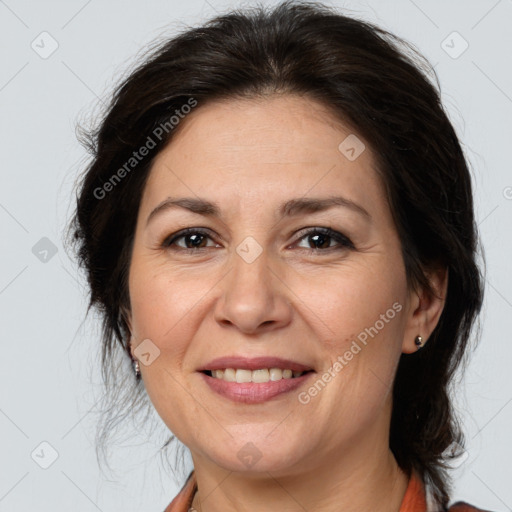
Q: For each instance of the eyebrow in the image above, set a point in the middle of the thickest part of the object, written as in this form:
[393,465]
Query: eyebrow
[290,208]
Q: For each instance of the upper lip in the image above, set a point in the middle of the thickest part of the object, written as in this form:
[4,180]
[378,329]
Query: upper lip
[254,363]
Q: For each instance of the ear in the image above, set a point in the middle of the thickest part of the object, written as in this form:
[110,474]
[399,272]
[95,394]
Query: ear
[425,309]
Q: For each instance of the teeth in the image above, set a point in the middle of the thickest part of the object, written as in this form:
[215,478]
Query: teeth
[243,376]
[258,376]
[229,375]
[276,374]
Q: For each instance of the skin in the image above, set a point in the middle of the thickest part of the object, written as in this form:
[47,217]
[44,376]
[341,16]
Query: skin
[297,300]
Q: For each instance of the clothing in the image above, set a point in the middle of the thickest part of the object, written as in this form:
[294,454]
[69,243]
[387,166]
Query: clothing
[416,498]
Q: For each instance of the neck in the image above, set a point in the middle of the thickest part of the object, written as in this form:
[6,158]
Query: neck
[363,476]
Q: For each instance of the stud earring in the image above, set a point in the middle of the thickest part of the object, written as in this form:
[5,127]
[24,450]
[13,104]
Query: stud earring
[418,341]
[136,367]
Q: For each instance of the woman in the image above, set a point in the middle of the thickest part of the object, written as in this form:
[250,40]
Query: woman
[278,229]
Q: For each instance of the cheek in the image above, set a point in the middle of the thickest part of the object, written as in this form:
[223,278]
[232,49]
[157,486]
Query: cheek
[350,301]
[163,310]
[160,300]
[360,317]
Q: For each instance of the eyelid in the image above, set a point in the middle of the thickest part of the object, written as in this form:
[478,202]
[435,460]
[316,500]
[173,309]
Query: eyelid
[343,242]
[166,242]
[332,233]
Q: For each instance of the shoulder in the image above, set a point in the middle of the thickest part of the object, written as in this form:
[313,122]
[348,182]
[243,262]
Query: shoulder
[462,506]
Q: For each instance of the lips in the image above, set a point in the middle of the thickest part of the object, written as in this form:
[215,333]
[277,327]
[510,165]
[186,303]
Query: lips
[254,392]
[254,363]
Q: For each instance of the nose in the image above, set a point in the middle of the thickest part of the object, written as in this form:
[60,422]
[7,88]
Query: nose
[253,297]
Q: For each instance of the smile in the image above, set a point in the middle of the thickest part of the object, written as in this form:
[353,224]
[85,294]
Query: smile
[258,376]
[250,392]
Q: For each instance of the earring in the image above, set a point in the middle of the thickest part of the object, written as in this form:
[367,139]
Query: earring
[135,362]
[418,341]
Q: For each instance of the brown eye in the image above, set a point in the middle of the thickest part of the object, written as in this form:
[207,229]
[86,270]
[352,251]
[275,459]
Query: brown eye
[319,241]
[193,241]
[323,239]
[189,239]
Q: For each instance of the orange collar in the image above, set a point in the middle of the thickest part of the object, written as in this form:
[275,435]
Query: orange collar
[414,498]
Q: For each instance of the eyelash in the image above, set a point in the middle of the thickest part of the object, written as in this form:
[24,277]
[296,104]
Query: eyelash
[343,241]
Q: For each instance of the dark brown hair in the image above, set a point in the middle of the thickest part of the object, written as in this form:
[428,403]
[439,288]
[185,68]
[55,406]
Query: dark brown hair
[371,80]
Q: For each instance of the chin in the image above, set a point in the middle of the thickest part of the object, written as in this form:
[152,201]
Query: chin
[255,455]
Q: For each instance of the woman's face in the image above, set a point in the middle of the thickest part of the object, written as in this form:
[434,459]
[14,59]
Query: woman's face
[260,276]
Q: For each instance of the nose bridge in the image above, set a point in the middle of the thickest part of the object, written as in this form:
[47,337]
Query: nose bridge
[251,294]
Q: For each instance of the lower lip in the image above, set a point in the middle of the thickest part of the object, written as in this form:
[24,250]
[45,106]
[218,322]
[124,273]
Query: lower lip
[254,392]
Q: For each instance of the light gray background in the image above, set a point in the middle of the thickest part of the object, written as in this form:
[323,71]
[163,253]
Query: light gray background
[49,377]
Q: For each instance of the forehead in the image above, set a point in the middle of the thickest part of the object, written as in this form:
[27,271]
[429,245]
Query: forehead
[282,144]
[286,127]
